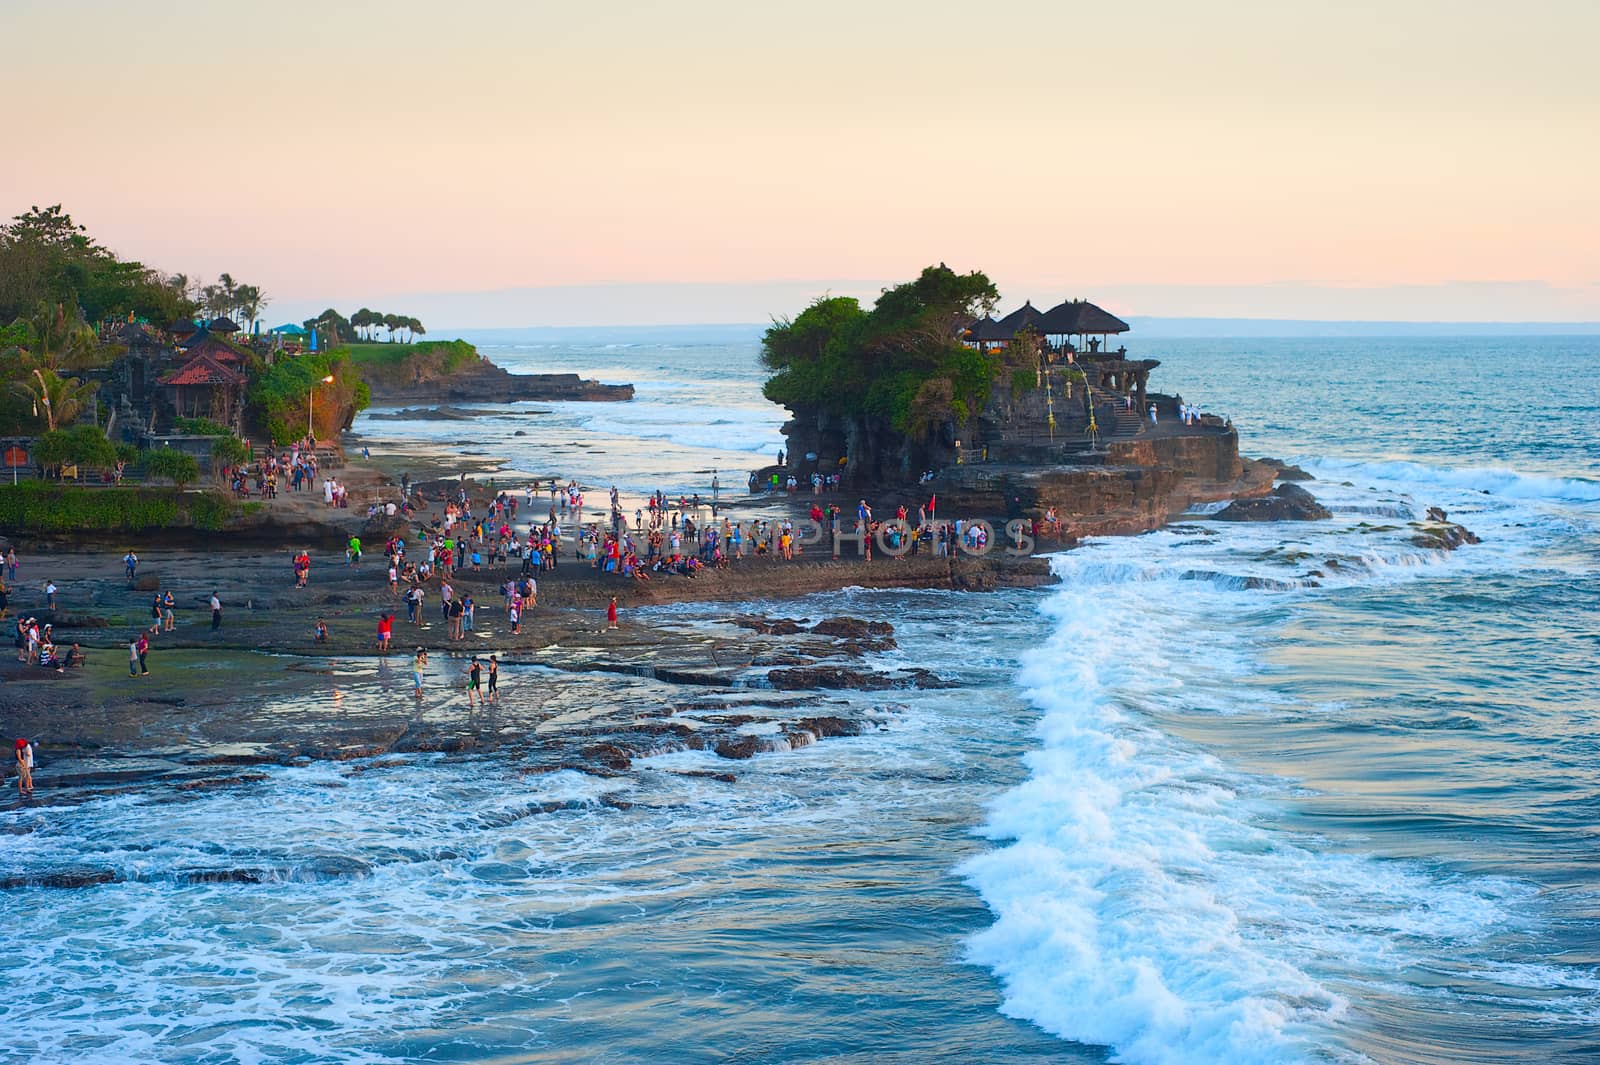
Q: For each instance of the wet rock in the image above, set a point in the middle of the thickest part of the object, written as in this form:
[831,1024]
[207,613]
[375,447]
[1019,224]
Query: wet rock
[739,747]
[824,727]
[240,759]
[1442,536]
[224,876]
[768,626]
[857,648]
[781,658]
[1288,502]
[852,628]
[608,755]
[333,866]
[70,878]
[147,582]
[843,677]
[427,742]
[1286,471]
[220,782]
[382,763]
[345,754]
[705,774]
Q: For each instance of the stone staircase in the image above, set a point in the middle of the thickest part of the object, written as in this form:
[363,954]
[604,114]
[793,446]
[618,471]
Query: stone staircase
[1122,422]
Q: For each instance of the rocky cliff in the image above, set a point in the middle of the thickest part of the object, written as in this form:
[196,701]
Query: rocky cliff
[485,382]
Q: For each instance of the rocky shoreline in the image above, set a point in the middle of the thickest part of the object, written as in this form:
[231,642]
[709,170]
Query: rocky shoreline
[488,382]
[732,682]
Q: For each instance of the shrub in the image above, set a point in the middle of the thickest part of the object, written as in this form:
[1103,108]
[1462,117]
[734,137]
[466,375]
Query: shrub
[179,467]
[229,451]
[200,427]
[83,445]
[37,506]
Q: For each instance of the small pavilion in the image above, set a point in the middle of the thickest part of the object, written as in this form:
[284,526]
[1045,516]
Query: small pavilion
[203,387]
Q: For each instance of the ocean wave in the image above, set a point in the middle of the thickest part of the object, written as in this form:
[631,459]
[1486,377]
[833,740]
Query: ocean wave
[1488,480]
[1140,900]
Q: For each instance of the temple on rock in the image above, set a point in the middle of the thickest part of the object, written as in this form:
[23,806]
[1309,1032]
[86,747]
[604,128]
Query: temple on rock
[1083,390]
[1070,421]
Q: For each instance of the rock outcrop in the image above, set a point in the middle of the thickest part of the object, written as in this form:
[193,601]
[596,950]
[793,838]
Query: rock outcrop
[1439,533]
[488,383]
[1287,502]
[1286,471]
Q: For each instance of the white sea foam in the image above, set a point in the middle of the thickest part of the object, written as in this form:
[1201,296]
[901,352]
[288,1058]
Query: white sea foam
[1494,481]
[1142,899]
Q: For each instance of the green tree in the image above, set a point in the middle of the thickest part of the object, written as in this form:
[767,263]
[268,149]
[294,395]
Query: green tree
[59,399]
[83,445]
[47,259]
[179,467]
[332,328]
[415,327]
[229,451]
[878,364]
[250,302]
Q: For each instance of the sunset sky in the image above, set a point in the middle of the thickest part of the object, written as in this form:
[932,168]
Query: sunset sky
[1247,158]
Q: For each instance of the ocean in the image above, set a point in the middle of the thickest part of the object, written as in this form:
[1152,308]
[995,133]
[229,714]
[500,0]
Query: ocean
[1262,793]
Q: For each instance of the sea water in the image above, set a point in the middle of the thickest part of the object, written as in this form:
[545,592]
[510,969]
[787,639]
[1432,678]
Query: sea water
[1227,793]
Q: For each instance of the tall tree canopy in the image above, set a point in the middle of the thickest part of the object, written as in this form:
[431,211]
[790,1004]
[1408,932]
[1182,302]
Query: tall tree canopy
[47,259]
[903,361]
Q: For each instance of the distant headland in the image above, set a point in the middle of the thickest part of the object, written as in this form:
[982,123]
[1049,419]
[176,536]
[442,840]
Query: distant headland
[109,366]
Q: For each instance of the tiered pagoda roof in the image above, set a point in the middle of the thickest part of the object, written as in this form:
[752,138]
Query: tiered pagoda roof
[1076,317]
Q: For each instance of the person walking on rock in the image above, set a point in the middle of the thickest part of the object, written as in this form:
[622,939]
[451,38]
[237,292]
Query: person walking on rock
[418,664]
[611,614]
[24,756]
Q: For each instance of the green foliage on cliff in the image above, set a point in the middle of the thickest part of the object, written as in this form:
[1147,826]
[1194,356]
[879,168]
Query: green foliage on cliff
[402,365]
[902,361]
[280,393]
[37,506]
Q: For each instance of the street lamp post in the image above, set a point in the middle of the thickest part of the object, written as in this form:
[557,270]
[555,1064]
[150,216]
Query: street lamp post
[311,405]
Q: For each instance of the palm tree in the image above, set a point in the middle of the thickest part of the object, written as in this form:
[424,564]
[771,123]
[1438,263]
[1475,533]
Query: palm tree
[64,342]
[362,321]
[61,398]
[416,328]
[229,290]
[250,299]
[391,322]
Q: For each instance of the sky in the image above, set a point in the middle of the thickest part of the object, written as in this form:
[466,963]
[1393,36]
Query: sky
[516,162]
